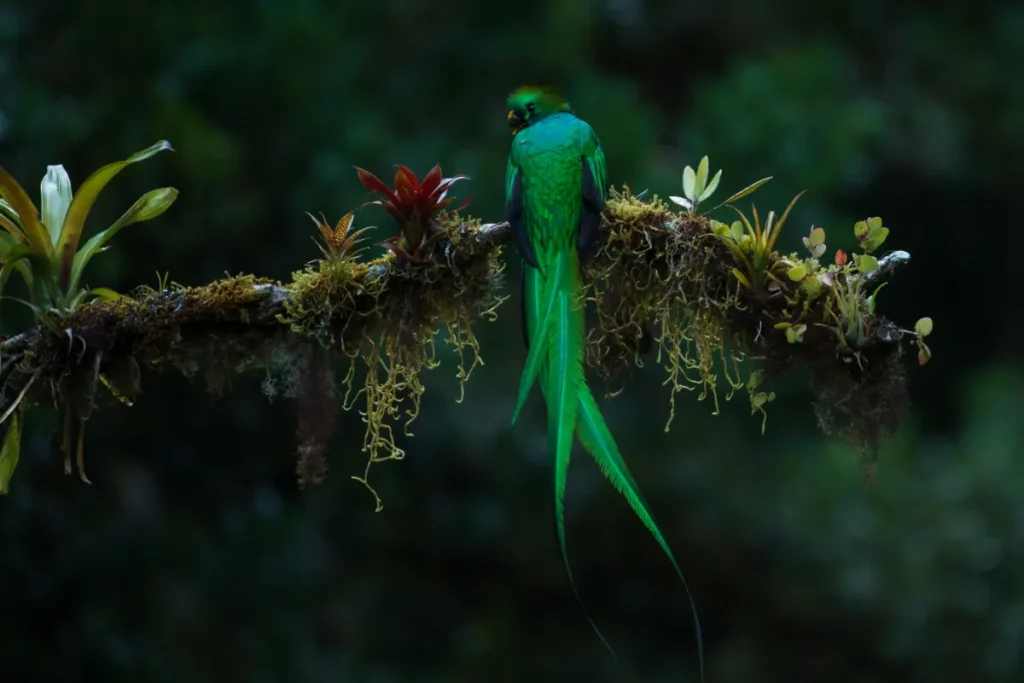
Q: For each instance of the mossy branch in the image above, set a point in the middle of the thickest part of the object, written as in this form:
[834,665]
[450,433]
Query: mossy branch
[660,277]
[146,316]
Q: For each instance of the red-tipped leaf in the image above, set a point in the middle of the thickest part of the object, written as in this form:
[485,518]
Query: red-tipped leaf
[431,181]
[375,184]
[406,183]
[446,184]
[387,206]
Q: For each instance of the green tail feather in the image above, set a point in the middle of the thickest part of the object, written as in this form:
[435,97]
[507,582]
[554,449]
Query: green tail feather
[541,332]
[562,376]
[598,441]
[561,381]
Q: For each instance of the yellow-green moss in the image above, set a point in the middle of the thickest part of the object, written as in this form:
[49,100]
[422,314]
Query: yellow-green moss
[668,278]
[386,312]
[655,278]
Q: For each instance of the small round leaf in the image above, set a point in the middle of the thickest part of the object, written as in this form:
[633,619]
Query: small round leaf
[797,273]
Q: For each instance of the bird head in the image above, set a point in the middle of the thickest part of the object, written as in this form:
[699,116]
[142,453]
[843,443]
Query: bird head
[529,104]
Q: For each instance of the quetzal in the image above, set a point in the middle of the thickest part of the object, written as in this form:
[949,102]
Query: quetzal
[555,187]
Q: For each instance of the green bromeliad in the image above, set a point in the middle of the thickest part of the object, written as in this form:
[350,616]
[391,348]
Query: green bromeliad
[555,187]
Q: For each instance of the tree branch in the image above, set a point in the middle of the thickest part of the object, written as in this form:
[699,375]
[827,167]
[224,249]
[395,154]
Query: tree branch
[253,303]
[657,271]
[887,265]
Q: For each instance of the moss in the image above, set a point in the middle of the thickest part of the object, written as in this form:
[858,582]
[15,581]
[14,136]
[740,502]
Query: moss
[659,277]
[668,279]
[382,314]
[386,313]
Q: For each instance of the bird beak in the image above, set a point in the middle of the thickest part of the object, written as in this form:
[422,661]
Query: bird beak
[515,122]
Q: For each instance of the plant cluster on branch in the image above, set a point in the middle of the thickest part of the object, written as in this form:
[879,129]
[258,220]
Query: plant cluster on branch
[717,300]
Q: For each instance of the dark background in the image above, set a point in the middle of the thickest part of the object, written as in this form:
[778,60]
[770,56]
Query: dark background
[193,557]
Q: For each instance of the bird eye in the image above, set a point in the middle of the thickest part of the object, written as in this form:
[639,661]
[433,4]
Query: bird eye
[531,107]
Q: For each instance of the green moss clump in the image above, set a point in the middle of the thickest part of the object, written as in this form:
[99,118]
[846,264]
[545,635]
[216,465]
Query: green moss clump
[385,314]
[659,278]
[715,298]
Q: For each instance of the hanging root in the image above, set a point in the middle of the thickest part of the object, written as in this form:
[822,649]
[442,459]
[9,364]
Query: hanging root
[677,279]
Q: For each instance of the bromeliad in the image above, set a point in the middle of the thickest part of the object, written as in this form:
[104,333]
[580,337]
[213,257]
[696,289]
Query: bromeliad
[555,188]
[414,204]
[43,244]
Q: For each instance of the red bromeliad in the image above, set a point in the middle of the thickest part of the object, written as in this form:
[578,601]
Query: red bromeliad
[414,204]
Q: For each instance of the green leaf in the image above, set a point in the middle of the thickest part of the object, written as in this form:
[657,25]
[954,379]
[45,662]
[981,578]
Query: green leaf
[874,223]
[737,231]
[875,238]
[860,229]
[924,327]
[106,294]
[797,273]
[763,234]
[741,277]
[816,237]
[28,215]
[689,182]
[149,205]
[873,299]
[759,399]
[812,286]
[774,235]
[701,181]
[10,222]
[71,303]
[865,263]
[6,208]
[8,268]
[719,228]
[749,189]
[10,451]
[46,317]
[74,222]
[12,229]
[795,334]
[34,267]
[746,223]
[711,187]
[7,241]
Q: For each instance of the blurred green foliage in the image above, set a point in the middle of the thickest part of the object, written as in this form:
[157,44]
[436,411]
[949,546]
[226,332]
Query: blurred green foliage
[193,557]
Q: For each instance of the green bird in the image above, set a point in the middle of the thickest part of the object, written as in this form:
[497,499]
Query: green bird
[555,188]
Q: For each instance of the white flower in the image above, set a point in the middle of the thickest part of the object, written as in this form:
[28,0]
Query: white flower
[55,197]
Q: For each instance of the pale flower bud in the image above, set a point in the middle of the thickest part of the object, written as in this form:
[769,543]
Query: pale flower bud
[55,197]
